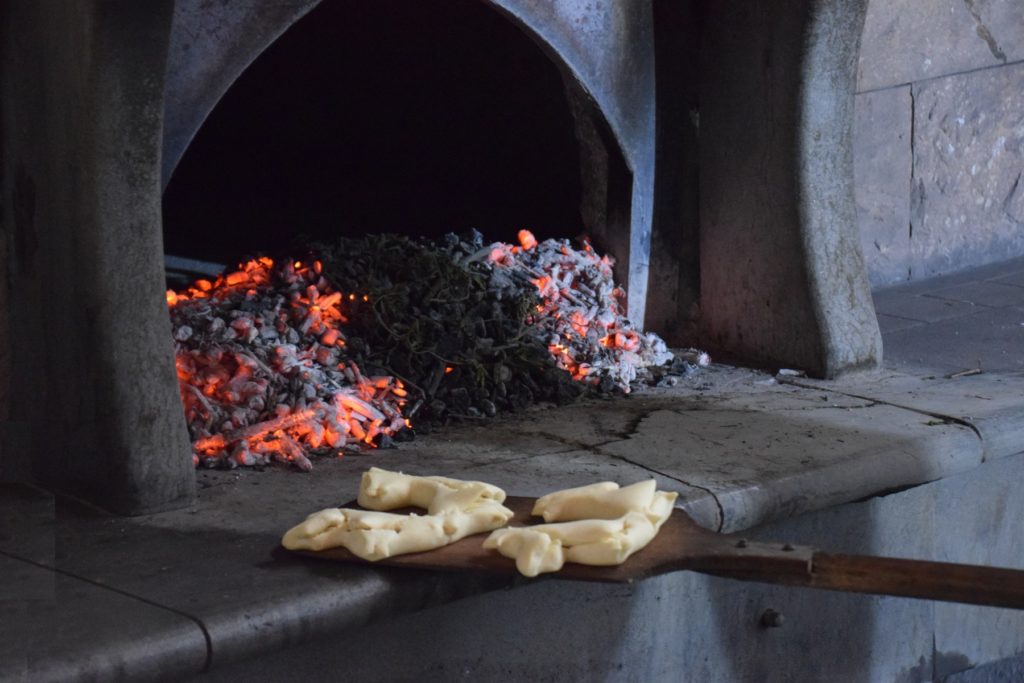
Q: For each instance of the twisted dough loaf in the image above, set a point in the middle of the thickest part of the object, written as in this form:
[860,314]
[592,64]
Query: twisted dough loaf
[600,524]
[455,509]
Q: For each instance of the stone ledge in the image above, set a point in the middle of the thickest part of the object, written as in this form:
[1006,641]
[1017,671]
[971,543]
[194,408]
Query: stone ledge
[204,588]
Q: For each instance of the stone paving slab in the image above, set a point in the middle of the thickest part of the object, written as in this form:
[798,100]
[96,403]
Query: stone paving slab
[1015,279]
[741,448]
[1007,272]
[922,308]
[785,453]
[213,563]
[991,339]
[992,404]
[986,293]
[79,631]
[892,323]
[540,474]
[27,518]
[911,40]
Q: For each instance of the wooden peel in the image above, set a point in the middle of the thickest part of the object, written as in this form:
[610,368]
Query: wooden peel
[684,545]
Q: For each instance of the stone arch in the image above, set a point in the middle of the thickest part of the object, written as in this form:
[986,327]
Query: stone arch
[608,79]
[86,118]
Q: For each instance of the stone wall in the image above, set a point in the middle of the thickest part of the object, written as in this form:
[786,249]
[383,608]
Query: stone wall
[939,137]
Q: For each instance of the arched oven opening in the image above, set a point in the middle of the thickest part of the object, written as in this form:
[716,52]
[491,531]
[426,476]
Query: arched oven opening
[375,119]
[93,132]
[399,117]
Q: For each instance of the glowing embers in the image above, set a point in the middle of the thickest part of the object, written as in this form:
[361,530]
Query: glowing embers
[265,353]
[579,312]
[262,371]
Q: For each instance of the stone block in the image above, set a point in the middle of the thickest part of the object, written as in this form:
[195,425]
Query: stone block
[762,456]
[911,40]
[967,206]
[990,339]
[994,294]
[881,169]
[979,521]
[922,308]
[76,630]
[990,403]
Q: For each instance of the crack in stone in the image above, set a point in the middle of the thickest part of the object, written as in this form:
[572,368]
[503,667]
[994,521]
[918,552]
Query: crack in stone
[595,449]
[916,190]
[634,426]
[984,33]
[825,406]
[1007,203]
[941,416]
[572,443]
[718,504]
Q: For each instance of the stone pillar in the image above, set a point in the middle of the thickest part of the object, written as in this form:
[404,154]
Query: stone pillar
[782,275]
[93,384]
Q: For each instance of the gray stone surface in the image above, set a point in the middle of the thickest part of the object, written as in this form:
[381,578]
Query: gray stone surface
[213,565]
[986,293]
[968,160]
[762,456]
[1009,268]
[913,40]
[1016,279]
[27,522]
[734,442]
[1011,669]
[988,532]
[990,403]
[680,627]
[891,323]
[922,308]
[991,339]
[963,58]
[690,627]
[84,632]
[882,169]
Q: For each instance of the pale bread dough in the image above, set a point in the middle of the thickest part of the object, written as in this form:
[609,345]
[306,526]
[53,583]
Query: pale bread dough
[600,524]
[384,490]
[456,509]
[369,534]
[605,500]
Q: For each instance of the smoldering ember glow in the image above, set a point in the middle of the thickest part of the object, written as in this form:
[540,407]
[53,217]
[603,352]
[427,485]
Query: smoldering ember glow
[580,313]
[260,362]
[266,375]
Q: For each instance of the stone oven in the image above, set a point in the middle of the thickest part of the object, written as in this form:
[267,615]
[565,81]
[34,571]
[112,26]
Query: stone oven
[748,247]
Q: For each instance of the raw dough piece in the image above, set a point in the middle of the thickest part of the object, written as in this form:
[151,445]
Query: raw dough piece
[368,534]
[600,525]
[384,490]
[456,509]
[600,542]
[605,500]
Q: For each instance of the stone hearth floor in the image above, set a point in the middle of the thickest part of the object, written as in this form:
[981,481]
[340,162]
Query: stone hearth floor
[86,595]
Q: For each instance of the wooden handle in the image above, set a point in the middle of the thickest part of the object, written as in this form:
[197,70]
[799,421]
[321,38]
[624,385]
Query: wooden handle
[967,583]
[973,584]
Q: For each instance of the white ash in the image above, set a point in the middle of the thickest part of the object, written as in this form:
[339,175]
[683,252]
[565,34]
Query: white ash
[580,314]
